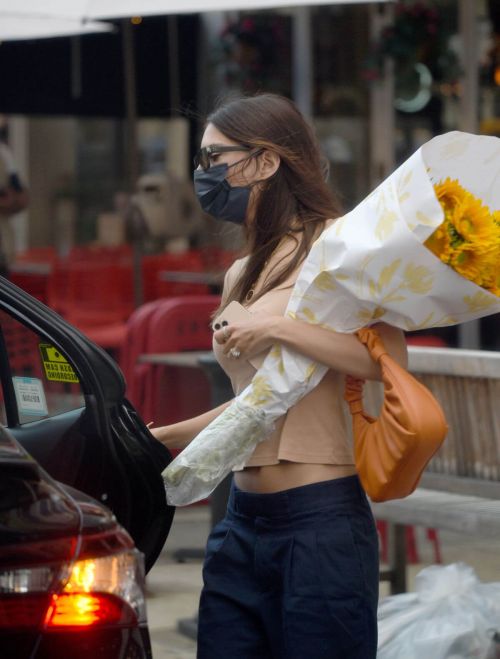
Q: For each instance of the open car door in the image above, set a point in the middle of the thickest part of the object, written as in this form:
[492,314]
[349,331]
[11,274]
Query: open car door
[63,398]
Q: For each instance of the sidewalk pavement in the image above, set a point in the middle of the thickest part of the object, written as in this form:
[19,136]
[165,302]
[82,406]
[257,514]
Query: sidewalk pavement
[173,588]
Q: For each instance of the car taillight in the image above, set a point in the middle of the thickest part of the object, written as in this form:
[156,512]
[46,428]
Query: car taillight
[82,610]
[107,589]
[24,596]
[100,591]
[22,611]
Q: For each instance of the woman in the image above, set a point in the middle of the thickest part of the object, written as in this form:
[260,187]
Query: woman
[292,570]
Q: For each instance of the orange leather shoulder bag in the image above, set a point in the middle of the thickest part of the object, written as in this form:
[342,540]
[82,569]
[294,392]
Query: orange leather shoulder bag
[392,451]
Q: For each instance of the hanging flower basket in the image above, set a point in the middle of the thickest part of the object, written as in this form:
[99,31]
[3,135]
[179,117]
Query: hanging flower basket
[254,53]
[419,35]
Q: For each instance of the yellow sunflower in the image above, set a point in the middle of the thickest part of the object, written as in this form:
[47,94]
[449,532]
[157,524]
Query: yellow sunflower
[491,276]
[473,264]
[473,221]
[439,242]
[468,239]
[449,193]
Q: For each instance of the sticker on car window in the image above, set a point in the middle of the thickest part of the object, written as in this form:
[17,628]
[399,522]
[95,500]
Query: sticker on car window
[56,366]
[30,396]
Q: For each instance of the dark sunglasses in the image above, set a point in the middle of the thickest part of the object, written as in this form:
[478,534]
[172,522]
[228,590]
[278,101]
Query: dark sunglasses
[202,158]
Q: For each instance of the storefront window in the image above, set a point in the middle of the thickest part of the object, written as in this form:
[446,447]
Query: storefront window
[341,97]
[100,170]
[425,44]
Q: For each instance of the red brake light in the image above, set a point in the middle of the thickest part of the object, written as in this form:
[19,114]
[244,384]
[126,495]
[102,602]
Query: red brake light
[107,590]
[22,611]
[104,586]
[87,609]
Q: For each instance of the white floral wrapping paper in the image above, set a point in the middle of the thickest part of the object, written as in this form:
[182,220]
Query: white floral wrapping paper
[370,265]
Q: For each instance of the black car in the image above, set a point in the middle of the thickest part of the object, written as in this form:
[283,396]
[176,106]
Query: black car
[82,501]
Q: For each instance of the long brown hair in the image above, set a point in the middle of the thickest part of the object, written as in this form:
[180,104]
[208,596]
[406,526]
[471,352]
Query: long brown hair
[295,199]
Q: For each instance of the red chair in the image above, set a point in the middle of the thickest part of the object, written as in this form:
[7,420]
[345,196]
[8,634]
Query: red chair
[152,266]
[111,337]
[172,393]
[97,297]
[93,286]
[99,294]
[38,255]
[31,270]
[100,300]
[134,345]
[121,254]
[57,286]
[33,283]
[22,346]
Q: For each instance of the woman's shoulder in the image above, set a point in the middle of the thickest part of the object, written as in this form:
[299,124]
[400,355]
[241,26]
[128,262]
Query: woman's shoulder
[329,222]
[235,270]
[232,275]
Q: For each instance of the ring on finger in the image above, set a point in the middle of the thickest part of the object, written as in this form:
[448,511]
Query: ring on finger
[234,352]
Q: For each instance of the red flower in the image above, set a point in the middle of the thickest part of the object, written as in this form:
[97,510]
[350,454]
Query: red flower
[247,25]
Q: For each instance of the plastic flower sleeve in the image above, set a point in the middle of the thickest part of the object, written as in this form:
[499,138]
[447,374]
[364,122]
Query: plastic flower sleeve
[371,265]
[196,472]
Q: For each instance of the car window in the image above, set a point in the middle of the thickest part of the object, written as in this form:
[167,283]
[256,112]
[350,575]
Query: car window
[44,382]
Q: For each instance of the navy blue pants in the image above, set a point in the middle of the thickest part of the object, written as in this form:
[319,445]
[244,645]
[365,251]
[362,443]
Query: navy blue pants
[292,575]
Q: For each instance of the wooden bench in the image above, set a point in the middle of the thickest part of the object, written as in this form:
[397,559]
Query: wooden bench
[460,489]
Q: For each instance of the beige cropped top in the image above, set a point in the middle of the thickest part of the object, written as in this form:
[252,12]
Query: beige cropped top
[315,430]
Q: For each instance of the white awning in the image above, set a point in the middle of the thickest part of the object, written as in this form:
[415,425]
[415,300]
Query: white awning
[14,26]
[27,19]
[123,8]
[15,29]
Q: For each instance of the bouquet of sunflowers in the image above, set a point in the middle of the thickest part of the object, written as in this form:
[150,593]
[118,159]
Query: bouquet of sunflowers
[422,250]
[468,240]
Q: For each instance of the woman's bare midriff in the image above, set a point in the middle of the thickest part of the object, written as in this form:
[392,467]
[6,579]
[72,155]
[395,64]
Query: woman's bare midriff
[286,475]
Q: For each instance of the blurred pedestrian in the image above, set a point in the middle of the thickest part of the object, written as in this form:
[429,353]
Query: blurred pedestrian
[292,570]
[13,198]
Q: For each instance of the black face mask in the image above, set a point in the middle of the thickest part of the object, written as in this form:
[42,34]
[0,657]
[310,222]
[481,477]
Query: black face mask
[217,197]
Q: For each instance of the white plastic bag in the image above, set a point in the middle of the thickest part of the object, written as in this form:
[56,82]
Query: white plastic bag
[450,616]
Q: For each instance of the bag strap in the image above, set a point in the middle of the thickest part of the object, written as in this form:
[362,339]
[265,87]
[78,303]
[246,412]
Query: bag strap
[353,393]
[371,339]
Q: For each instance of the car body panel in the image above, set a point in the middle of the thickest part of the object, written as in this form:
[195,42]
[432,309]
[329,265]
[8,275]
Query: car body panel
[33,508]
[104,448]
[47,519]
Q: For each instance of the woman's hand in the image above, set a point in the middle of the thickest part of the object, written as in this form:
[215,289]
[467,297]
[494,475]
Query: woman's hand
[249,338]
[178,435]
[338,351]
[167,435]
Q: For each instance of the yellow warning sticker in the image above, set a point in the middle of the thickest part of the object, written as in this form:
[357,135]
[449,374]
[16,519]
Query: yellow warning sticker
[56,366]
